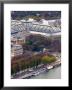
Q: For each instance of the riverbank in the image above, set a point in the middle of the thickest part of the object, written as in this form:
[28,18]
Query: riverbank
[37,71]
[54,73]
[42,71]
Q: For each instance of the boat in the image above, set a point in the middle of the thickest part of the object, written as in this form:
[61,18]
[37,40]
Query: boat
[49,67]
[36,73]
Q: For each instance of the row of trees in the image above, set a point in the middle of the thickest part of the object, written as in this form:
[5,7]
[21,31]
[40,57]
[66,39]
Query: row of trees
[32,62]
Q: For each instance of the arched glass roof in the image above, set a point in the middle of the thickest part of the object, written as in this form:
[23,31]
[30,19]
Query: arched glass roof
[28,26]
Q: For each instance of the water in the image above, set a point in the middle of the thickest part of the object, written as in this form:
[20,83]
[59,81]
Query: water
[54,73]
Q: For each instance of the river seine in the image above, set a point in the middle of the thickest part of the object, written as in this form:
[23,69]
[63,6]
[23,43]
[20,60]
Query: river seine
[54,73]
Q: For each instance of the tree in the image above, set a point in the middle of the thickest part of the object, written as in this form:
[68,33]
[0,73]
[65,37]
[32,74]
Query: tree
[14,68]
[48,59]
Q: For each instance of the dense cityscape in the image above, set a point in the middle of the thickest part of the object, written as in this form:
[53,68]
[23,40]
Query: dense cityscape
[35,42]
